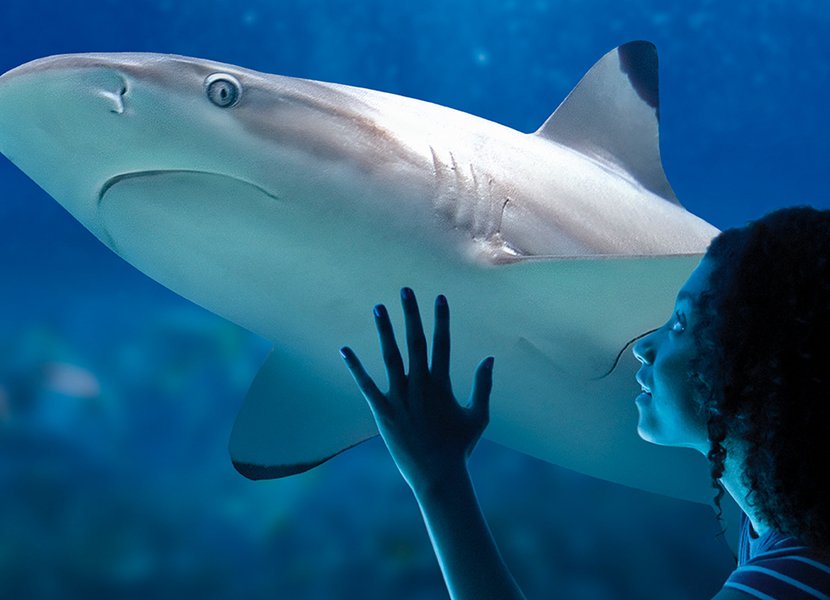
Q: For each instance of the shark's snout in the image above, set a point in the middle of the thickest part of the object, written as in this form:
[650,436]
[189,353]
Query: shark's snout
[60,99]
[64,83]
[115,97]
[63,121]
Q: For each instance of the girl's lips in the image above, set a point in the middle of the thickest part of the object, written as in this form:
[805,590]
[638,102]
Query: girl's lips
[646,389]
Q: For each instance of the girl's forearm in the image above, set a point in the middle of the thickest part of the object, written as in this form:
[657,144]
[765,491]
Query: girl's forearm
[467,553]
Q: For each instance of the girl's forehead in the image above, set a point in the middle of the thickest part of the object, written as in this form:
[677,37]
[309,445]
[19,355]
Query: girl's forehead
[697,283]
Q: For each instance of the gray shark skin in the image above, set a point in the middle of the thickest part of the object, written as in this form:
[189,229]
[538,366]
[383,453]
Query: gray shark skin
[291,207]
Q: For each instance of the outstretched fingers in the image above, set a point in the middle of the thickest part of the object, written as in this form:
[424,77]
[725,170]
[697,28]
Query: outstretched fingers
[441,342]
[389,349]
[376,399]
[416,342]
[482,386]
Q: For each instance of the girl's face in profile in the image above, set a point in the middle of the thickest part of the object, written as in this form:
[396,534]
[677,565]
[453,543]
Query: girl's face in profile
[669,405]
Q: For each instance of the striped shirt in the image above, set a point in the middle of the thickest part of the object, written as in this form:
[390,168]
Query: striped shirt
[777,567]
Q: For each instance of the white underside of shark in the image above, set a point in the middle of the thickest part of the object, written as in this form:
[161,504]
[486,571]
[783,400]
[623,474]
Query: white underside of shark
[291,207]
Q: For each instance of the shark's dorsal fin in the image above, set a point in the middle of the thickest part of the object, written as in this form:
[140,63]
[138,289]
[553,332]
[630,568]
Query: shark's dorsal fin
[613,115]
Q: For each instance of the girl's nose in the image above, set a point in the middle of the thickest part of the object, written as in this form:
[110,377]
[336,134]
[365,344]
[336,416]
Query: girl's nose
[644,349]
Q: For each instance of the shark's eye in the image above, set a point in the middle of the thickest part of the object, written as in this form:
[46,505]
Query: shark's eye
[223,90]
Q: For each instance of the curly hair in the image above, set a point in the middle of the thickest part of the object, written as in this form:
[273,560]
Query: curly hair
[762,365]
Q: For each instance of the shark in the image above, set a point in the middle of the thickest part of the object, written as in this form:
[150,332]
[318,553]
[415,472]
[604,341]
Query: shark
[291,207]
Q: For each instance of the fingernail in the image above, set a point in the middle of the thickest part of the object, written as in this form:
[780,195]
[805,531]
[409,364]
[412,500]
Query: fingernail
[406,293]
[488,362]
[344,352]
[441,300]
[379,310]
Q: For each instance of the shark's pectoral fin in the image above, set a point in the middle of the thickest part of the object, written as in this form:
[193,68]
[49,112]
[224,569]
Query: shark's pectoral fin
[297,417]
[613,116]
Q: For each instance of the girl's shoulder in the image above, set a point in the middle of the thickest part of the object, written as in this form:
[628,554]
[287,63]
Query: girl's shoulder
[733,594]
[796,572]
[777,566]
[788,572]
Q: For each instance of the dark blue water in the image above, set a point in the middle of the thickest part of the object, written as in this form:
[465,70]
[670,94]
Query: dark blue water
[117,397]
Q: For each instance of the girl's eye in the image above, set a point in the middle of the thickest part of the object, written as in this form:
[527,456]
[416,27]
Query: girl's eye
[679,324]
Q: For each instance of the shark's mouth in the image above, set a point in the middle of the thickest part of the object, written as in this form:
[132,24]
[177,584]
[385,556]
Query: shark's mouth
[183,228]
[161,173]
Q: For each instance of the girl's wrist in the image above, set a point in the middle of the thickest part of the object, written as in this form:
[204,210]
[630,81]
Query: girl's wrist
[442,484]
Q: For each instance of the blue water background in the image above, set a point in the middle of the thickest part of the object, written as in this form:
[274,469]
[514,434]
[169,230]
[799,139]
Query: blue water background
[117,397]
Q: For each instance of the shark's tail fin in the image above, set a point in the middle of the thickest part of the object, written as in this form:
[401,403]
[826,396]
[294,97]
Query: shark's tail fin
[613,115]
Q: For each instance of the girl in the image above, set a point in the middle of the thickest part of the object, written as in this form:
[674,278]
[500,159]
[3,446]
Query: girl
[739,372]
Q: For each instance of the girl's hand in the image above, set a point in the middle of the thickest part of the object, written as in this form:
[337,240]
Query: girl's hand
[428,433]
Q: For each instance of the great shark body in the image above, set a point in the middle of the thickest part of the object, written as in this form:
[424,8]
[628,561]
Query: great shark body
[291,207]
